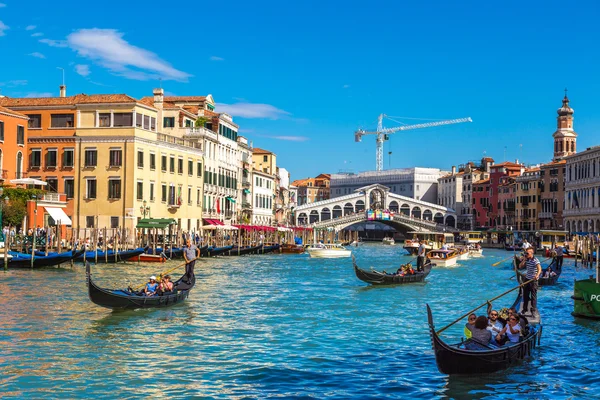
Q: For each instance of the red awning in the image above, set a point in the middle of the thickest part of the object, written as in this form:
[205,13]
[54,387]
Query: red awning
[213,222]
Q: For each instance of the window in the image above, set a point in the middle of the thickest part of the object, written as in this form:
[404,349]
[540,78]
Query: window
[68,158]
[172,164]
[1,130]
[153,123]
[152,161]
[140,160]
[90,189]
[198,196]
[188,123]
[123,119]
[169,122]
[35,121]
[52,185]
[190,167]
[62,121]
[104,120]
[115,158]
[180,166]
[89,221]
[35,159]
[190,195]
[163,193]
[147,122]
[138,120]
[114,222]
[51,156]
[114,188]
[265,158]
[199,169]
[70,188]
[163,163]
[90,158]
[140,190]
[20,134]
[151,191]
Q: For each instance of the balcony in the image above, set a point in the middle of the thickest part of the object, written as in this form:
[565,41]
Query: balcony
[161,137]
[246,183]
[173,206]
[199,133]
[246,206]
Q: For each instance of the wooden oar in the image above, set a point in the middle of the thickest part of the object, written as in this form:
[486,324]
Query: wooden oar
[501,261]
[484,304]
[165,273]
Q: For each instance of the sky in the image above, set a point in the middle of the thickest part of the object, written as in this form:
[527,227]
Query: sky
[299,77]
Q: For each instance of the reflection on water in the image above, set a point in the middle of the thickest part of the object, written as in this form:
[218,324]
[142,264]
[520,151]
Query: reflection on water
[277,325]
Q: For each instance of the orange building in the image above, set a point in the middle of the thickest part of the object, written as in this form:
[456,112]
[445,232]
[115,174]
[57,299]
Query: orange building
[13,144]
[315,189]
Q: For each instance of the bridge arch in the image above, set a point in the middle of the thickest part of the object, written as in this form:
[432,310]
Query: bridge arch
[314,216]
[325,214]
[393,206]
[450,221]
[405,209]
[416,212]
[302,219]
[427,215]
[360,206]
[337,212]
[348,209]
[438,218]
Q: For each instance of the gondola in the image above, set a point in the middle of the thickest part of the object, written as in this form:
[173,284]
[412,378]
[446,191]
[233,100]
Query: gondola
[172,253]
[291,249]
[544,281]
[240,251]
[269,249]
[455,359]
[123,299]
[43,261]
[383,278]
[217,251]
[110,257]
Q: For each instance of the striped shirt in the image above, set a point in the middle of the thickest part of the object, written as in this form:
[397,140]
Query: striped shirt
[532,267]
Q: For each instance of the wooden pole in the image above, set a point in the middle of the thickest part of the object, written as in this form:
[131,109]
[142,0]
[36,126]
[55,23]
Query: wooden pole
[487,302]
[33,245]
[47,239]
[96,244]
[6,247]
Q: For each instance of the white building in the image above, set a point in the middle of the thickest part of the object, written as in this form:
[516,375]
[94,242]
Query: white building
[582,191]
[450,189]
[263,191]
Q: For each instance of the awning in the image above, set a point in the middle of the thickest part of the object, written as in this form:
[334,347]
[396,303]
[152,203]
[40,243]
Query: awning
[59,216]
[160,223]
[230,199]
[246,191]
[215,222]
[28,181]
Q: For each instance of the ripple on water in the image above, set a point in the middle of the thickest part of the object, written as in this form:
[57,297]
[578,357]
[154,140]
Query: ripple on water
[278,326]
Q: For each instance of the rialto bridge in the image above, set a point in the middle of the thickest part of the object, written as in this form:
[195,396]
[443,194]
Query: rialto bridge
[407,213]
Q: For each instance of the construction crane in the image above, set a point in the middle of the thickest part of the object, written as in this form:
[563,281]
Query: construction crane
[382,133]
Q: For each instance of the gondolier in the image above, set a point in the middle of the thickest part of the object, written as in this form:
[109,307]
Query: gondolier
[421,255]
[534,269]
[559,256]
[190,253]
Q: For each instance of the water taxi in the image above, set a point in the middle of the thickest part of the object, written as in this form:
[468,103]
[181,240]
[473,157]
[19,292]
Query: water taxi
[463,253]
[471,237]
[549,239]
[433,241]
[475,250]
[329,250]
[443,258]
[389,241]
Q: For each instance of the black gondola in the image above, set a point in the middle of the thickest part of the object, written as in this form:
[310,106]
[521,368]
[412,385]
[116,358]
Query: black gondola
[217,251]
[455,359]
[170,252]
[382,278]
[269,249]
[551,281]
[240,251]
[123,299]
[109,256]
[43,261]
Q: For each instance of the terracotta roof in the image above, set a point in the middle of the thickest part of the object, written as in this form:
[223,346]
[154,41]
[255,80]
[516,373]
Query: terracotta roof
[185,98]
[65,101]
[552,163]
[258,150]
[481,182]
[535,169]
[149,101]
[192,109]
[327,176]
[506,164]
[5,110]
[208,113]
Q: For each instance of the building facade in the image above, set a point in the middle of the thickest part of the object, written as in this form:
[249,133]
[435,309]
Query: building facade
[528,196]
[507,198]
[13,144]
[264,192]
[450,189]
[466,218]
[552,195]
[582,191]
[311,190]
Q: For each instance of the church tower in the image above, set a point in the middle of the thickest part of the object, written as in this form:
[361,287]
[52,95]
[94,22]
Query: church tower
[565,138]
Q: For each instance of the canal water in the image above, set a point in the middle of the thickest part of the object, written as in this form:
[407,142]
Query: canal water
[279,326]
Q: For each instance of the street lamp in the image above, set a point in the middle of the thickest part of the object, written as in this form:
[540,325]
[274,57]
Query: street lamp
[144,209]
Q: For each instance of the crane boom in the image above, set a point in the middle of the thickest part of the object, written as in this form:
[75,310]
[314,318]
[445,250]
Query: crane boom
[382,132]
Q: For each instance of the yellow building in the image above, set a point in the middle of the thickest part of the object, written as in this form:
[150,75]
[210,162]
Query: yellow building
[264,160]
[126,163]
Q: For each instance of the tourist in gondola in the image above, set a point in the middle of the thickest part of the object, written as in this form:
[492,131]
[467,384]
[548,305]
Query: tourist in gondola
[480,335]
[190,253]
[421,256]
[166,286]
[469,326]
[512,330]
[151,287]
[494,325]
[534,270]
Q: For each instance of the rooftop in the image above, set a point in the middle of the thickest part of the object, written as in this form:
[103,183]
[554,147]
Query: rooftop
[66,101]
[4,110]
[258,150]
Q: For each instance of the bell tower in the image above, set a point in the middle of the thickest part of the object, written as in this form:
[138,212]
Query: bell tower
[565,138]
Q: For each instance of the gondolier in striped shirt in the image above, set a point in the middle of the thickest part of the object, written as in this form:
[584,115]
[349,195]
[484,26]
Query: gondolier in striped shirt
[534,269]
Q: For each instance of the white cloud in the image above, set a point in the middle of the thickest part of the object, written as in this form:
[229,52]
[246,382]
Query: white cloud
[30,27]
[37,34]
[82,69]
[215,58]
[40,94]
[17,82]
[3,28]
[2,5]
[54,43]
[36,54]
[287,138]
[346,86]
[107,48]
[252,110]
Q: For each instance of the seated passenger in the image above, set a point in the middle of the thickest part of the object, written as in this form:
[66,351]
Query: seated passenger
[480,335]
[469,326]
[166,286]
[410,270]
[151,287]
[512,330]
[494,325]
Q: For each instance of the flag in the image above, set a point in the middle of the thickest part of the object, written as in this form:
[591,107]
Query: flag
[218,206]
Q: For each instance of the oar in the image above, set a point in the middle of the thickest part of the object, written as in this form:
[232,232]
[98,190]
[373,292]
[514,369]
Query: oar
[484,304]
[501,261]
[165,273]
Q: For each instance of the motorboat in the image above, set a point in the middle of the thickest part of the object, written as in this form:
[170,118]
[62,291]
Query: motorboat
[329,250]
[443,258]
[388,241]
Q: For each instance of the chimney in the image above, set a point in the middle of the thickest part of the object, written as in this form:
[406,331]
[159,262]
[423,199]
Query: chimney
[158,97]
[454,170]
[63,90]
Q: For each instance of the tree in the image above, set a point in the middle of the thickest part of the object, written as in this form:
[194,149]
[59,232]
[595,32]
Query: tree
[201,122]
[15,210]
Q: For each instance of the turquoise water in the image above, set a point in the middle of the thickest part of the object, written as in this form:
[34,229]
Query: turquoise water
[282,326]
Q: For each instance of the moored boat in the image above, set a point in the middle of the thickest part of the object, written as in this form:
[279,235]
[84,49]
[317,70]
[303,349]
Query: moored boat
[459,359]
[43,261]
[291,249]
[384,278]
[240,251]
[110,256]
[329,250]
[216,251]
[388,241]
[160,258]
[269,249]
[586,295]
[443,257]
[117,299]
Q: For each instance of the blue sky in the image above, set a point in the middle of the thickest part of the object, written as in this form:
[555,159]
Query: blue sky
[301,77]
